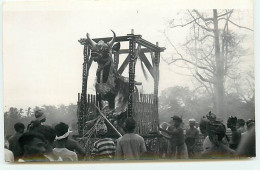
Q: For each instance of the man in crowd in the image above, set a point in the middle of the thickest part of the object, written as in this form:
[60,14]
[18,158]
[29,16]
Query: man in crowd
[217,131]
[33,147]
[207,144]
[236,136]
[240,126]
[104,148]
[249,125]
[49,134]
[178,146]
[192,138]
[40,116]
[131,146]
[62,132]
[9,156]
[13,140]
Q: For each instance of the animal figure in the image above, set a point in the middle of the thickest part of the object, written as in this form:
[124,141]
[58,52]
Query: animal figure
[112,88]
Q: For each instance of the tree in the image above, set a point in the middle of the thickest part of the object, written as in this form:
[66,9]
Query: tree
[183,102]
[210,52]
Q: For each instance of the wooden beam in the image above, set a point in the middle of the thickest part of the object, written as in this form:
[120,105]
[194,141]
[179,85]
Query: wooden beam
[124,65]
[149,45]
[84,41]
[146,63]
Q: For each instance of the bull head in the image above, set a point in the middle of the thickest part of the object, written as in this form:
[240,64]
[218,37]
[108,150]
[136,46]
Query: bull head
[101,52]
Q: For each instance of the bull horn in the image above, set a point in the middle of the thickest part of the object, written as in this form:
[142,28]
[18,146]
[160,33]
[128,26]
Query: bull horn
[92,43]
[113,39]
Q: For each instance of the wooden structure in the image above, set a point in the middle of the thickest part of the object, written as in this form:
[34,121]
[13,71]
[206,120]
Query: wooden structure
[142,107]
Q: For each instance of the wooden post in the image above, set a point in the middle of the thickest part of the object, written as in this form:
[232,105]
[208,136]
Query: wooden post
[83,100]
[131,75]
[156,86]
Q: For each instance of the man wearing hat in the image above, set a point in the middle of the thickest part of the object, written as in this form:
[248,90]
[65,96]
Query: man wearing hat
[40,116]
[179,148]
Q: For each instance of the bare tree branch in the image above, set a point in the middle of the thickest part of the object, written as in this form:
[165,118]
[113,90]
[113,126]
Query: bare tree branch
[203,27]
[183,59]
[204,79]
[228,12]
[202,17]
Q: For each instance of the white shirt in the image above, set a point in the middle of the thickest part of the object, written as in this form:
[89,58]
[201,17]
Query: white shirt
[65,154]
[9,156]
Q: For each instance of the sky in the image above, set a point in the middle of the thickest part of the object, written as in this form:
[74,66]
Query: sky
[42,58]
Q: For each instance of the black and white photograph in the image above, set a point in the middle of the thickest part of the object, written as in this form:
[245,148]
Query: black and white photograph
[128,81]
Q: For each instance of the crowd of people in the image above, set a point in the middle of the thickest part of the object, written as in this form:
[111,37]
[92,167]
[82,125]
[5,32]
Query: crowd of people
[42,143]
[183,144]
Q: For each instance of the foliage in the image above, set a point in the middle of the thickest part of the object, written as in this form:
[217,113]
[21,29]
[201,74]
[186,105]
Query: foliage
[54,115]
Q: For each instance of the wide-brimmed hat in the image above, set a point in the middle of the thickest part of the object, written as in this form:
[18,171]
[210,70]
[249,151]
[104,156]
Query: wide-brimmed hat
[39,115]
[177,118]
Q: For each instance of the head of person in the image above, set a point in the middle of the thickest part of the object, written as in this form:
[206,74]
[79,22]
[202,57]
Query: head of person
[39,115]
[250,123]
[240,123]
[192,123]
[32,144]
[231,122]
[49,134]
[19,127]
[203,125]
[101,129]
[176,121]
[216,131]
[62,132]
[130,125]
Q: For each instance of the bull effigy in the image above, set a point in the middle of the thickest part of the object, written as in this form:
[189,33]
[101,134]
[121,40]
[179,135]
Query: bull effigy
[111,87]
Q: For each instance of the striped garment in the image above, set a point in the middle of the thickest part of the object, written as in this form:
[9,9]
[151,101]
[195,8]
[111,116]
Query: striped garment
[104,149]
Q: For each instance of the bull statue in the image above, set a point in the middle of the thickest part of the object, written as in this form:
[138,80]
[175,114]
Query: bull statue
[112,88]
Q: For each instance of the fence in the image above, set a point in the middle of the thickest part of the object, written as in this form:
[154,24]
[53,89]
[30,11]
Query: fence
[145,113]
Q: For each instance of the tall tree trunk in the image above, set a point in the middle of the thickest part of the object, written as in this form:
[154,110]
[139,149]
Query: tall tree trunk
[219,85]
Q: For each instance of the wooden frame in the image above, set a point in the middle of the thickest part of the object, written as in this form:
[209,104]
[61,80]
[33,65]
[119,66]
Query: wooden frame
[130,60]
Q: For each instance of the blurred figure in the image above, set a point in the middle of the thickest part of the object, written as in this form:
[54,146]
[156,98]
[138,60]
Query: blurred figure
[241,125]
[9,156]
[13,141]
[49,134]
[62,133]
[247,146]
[216,132]
[164,141]
[236,136]
[249,124]
[104,148]
[192,138]
[130,146]
[177,139]
[33,146]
